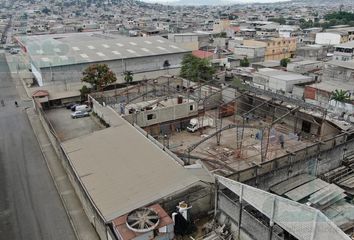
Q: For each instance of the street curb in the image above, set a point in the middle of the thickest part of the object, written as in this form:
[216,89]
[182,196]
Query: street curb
[19,79]
[52,176]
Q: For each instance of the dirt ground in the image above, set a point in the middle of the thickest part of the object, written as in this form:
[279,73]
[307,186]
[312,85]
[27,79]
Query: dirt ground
[227,155]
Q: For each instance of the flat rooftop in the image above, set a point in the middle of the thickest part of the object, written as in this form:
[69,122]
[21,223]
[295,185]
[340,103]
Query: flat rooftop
[122,170]
[346,45]
[343,64]
[76,48]
[305,62]
[282,75]
[156,103]
[330,86]
[268,64]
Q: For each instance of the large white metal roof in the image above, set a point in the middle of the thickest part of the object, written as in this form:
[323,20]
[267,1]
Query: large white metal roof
[76,48]
[122,170]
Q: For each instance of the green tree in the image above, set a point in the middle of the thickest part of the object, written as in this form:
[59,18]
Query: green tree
[245,62]
[223,35]
[84,91]
[239,84]
[220,35]
[46,10]
[340,95]
[99,76]
[280,20]
[128,76]
[284,62]
[194,68]
[232,17]
[334,18]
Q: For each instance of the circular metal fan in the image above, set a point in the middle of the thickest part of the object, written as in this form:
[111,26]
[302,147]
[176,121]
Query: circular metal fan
[142,220]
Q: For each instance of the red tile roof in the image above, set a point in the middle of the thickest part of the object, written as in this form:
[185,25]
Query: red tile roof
[40,93]
[202,54]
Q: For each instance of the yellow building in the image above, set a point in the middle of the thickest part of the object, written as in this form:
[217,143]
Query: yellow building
[276,48]
[221,25]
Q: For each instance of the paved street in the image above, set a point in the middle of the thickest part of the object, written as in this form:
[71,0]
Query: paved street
[30,207]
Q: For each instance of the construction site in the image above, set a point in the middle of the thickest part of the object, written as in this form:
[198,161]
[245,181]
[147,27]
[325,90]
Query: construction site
[245,160]
[293,152]
[237,129]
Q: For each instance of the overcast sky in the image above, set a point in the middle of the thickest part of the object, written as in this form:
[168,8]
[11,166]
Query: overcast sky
[236,1]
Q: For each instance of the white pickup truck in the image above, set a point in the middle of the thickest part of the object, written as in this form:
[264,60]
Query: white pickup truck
[202,122]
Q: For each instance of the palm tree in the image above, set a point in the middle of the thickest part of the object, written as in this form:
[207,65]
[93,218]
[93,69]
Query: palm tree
[340,95]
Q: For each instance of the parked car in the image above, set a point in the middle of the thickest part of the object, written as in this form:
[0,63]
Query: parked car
[82,108]
[73,107]
[79,114]
[70,105]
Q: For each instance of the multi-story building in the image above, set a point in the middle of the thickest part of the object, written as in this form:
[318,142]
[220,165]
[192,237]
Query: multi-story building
[277,80]
[348,31]
[340,71]
[331,38]
[275,48]
[191,40]
[253,53]
[344,52]
[221,25]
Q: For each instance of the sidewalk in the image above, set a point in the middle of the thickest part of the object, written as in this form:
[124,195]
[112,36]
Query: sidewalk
[78,219]
[16,75]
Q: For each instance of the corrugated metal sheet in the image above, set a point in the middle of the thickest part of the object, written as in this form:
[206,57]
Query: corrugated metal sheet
[341,213]
[306,190]
[348,183]
[327,195]
[291,183]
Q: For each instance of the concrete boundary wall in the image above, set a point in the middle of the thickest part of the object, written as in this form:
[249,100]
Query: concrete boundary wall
[315,159]
[91,211]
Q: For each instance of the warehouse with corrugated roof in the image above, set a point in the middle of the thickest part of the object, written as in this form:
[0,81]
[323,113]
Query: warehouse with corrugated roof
[61,58]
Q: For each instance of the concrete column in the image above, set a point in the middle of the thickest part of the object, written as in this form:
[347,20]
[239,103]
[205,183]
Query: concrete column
[271,220]
[240,213]
[216,196]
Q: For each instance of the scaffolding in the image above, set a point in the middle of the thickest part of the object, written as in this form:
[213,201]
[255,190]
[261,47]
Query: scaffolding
[249,104]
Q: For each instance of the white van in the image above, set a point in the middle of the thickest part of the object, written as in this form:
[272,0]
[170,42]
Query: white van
[82,108]
[14,50]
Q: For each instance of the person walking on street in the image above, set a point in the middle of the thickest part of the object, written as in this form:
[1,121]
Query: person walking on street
[2,103]
[16,104]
